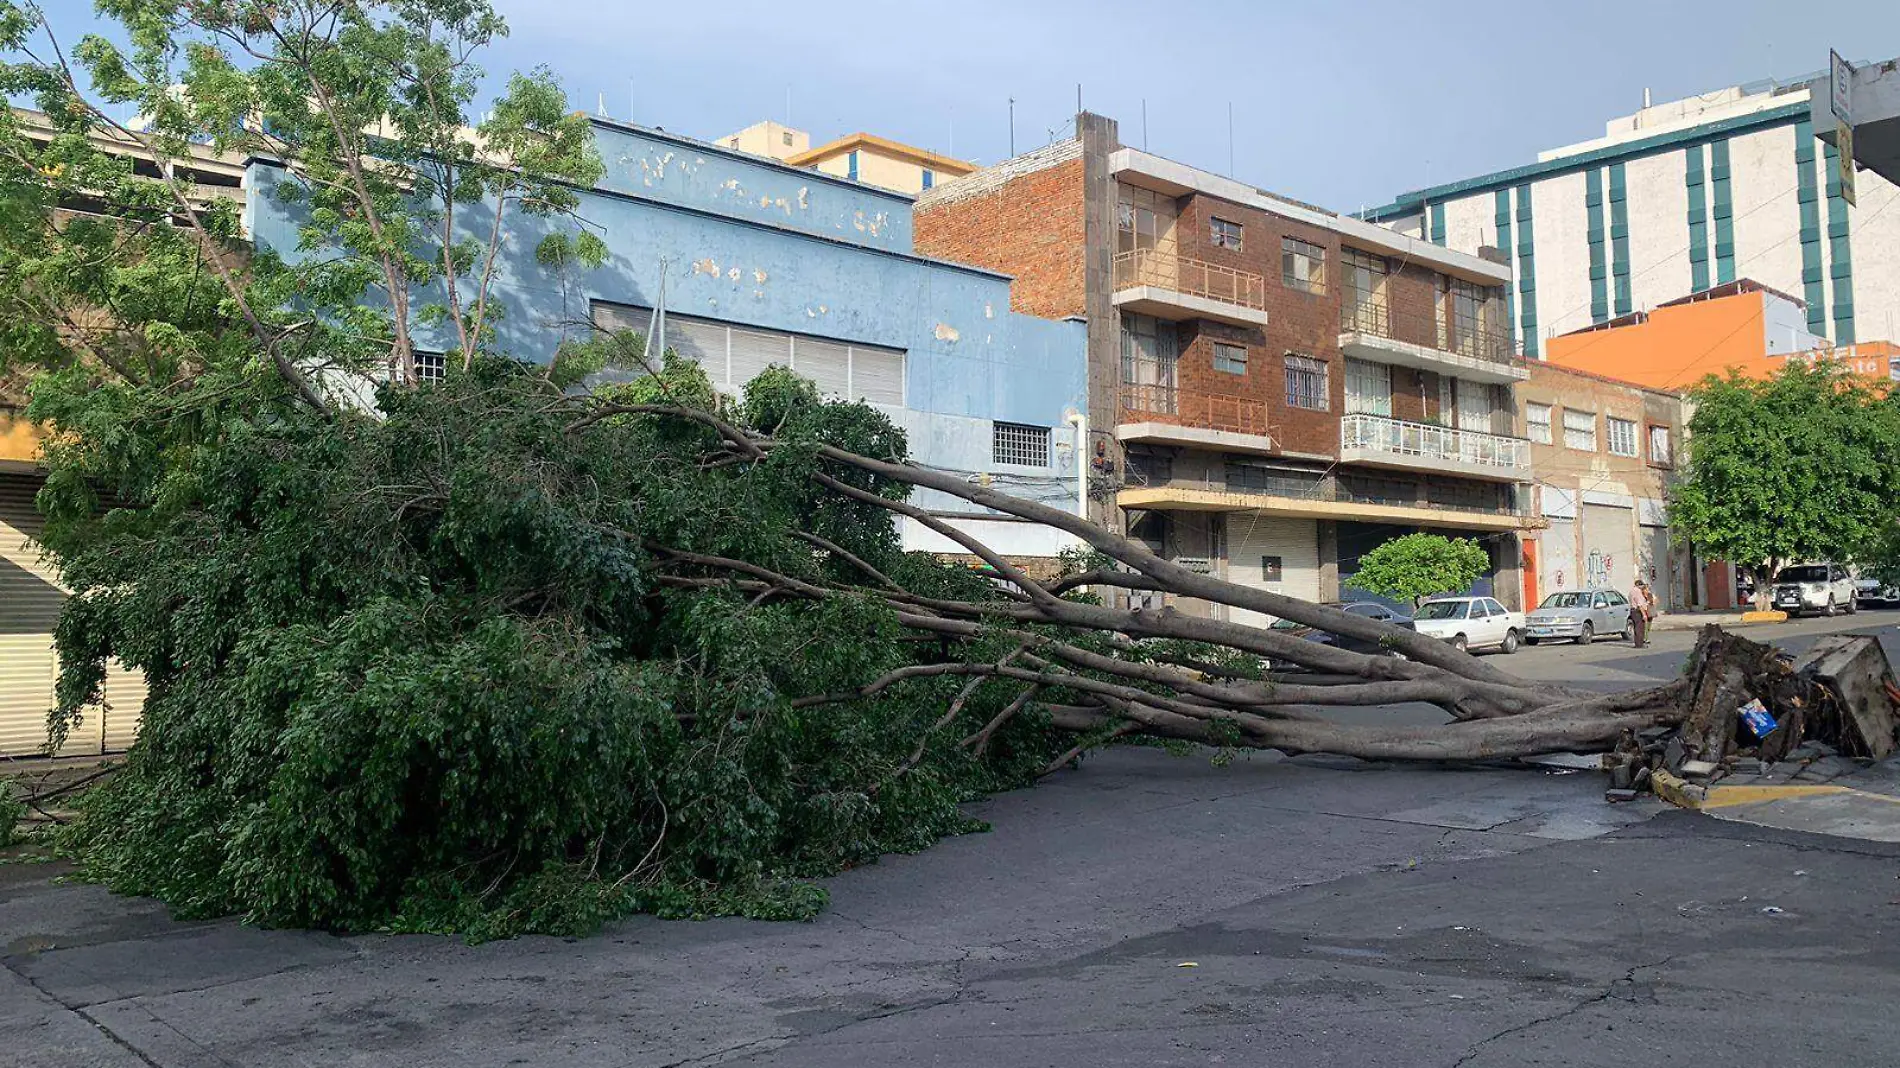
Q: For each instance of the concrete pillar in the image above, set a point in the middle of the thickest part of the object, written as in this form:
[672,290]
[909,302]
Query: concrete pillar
[1328,560]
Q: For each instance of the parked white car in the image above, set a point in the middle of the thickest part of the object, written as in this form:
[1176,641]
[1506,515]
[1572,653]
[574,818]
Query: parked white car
[1471,623]
[1824,588]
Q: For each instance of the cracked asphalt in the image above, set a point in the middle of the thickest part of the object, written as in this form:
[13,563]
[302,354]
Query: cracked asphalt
[1145,910]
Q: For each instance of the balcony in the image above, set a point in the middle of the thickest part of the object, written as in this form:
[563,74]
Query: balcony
[1332,496]
[1168,286]
[1165,415]
[1426,342]
[1379,441]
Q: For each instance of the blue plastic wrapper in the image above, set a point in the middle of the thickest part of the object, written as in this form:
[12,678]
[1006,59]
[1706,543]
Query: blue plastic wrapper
[1756,719]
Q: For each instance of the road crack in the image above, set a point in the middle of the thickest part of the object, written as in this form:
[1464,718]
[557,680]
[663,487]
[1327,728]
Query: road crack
[1609,993]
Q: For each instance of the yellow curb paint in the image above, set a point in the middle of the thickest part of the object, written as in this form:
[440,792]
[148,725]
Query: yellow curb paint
[1723,796]
[1764,617]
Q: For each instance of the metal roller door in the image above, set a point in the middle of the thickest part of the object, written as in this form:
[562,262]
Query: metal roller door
[1557,558]
[1271,553]
[29,609]
[1609,546]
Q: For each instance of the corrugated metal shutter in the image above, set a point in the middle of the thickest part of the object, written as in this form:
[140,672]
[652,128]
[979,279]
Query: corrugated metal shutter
[1251,539]
[826,363]
[877,375]
[1557,558]
[753,351]
[702,343]
[1609,546]
[30,597]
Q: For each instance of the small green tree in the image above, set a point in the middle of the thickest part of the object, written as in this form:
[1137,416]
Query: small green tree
[1801,466]
[1419,565]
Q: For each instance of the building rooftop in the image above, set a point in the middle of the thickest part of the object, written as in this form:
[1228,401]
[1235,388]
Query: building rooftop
[947,165]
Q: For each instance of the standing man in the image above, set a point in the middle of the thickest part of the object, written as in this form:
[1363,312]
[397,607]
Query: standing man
[1642,607]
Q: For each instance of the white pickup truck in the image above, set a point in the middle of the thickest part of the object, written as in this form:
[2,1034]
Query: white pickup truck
[1471,623]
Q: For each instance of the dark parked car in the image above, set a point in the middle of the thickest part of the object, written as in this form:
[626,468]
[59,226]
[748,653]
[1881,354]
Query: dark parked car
[1369,609]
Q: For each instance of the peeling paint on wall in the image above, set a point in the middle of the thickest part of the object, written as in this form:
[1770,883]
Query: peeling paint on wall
[946,332]
[804,198]
[706,266]
[781,205]
[730,184]
[764,201]
[989,311]
[759,276]
[732,275]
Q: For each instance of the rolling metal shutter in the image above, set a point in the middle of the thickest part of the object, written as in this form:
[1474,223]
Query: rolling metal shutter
[1557,559]
[1609,546]
[735,355]
[1253,539]
[30,597]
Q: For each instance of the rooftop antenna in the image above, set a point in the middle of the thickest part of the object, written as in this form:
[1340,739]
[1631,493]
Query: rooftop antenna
[1012,127]
[1144,124]
[1078,98]
[601,106]
[1645,96]
[788,105]
[632,96]
[1230,139]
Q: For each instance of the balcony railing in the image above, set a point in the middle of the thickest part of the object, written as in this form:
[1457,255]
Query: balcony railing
[1423,441]
[1432,331]
[1197,278]
[1210,411]
[1346,490]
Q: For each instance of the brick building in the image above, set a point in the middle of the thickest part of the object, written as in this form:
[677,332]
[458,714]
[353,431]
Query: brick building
[1603,453]
[1273,389]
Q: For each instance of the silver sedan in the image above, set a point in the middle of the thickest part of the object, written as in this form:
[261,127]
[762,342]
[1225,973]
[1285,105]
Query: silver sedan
[1579,616]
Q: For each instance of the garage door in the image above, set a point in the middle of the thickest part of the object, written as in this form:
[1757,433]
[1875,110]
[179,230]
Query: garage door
[29,609]
[1609,546]
[1275,554]
[1657,569]
[1557,558]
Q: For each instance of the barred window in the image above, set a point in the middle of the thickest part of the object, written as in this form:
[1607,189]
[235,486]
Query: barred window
[1580,430]
[1243,477]
[1537,420]
[1302,265]
[1622,434]
[1017,443]
[431,367]
[1305,383]
[1230,358]
[1223,234]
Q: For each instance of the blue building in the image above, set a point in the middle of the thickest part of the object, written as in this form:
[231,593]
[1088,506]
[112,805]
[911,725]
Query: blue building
[768,264]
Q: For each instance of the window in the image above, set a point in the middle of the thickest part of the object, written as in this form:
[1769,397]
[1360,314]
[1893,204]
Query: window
[1223,234]
[1364,289]
[1368,387]
[1469,318]
[786,138]
[930,178]
[1580,430]
[1659,451]
[1242,477]
[733,356]
[1537,422]
[1622,434]
[1305,383]
[1148,364]
[1143,220]
[431,367]
[851,165]
[1016,443]
[1302,265]
[1600,602]
[1616,599]
[1230,358]
[1271,568]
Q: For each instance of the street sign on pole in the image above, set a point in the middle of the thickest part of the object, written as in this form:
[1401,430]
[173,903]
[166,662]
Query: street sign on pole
[1840,87]
[1844,141]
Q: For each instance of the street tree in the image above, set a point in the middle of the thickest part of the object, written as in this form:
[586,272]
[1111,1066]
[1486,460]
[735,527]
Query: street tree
[1416,566]
[502,653]
[1804,465]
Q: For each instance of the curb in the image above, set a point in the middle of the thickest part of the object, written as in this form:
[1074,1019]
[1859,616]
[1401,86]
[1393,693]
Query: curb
[1698,797]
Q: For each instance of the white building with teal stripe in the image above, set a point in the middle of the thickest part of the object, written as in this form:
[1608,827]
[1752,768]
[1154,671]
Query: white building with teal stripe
[1675,199]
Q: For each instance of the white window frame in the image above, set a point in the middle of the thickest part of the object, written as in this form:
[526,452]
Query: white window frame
[1230,358]
[1575,431]
[1621,435]
[1295,250]
[1538,430]
[1668,450]
[1307,365]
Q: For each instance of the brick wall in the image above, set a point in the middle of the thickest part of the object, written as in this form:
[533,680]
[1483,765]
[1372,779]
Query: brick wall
[1024,217]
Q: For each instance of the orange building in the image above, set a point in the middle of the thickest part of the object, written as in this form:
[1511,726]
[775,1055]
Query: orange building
[1743,326]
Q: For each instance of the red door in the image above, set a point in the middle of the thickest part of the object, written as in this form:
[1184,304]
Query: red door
[1530,574]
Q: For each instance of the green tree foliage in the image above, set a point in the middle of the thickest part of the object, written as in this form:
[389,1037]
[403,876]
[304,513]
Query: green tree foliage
[1418,565]
[1801,466]
[419,672]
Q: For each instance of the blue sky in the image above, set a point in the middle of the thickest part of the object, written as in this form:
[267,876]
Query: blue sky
[1341,104]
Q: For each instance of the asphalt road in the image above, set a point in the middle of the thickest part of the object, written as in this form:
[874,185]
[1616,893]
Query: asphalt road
[1145,910]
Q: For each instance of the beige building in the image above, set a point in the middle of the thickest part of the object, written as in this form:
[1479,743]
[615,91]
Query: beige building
[30,591]
[860,157]
[1602,454]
